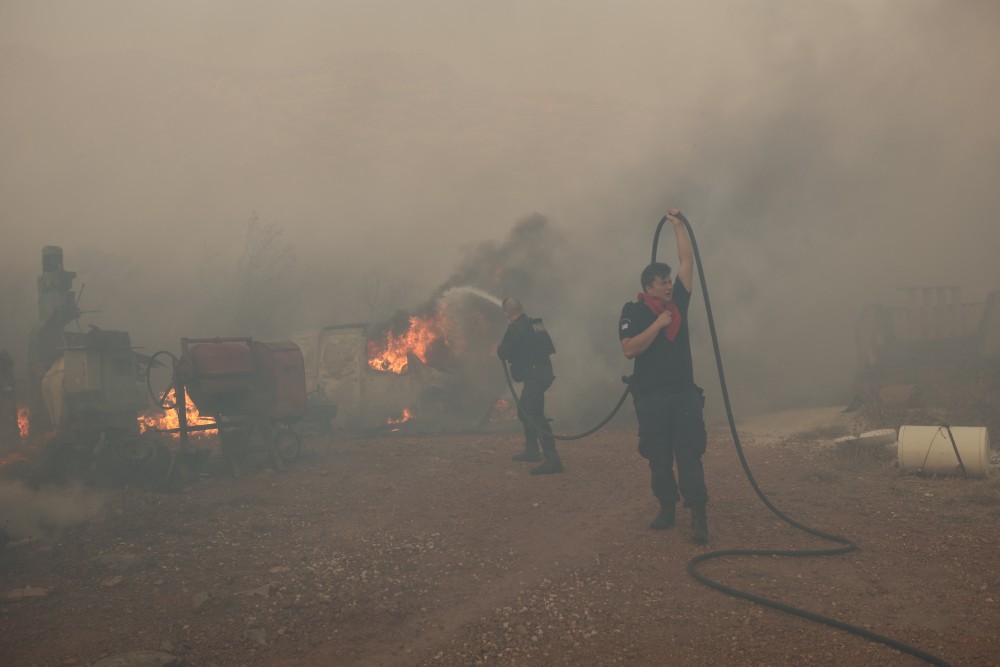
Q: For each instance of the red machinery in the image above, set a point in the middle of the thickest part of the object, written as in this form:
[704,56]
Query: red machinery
[249,388]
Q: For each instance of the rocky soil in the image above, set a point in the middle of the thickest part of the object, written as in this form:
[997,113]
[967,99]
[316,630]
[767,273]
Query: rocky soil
[423,549]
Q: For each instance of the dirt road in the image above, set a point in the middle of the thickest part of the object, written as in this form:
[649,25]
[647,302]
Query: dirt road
[439,550]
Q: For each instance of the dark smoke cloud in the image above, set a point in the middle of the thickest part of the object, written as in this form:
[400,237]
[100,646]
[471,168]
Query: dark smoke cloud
[827,153]
[521,265]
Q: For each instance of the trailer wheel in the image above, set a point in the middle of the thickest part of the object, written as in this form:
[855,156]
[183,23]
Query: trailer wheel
[287,443]
[136,451]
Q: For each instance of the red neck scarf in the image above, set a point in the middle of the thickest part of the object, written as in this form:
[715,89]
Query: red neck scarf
[657,306]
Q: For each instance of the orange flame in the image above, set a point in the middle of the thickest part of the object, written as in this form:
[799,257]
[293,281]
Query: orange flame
[158,420]
[407,416]
[392,352]
[22,422]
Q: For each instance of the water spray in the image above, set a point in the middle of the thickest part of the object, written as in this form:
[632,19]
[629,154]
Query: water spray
[475,291]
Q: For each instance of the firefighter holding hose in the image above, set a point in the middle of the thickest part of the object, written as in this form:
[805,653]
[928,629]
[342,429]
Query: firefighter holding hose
[527,346]
[653,331]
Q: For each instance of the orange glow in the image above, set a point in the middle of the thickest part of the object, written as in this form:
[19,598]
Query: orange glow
[391,354]
[22,422]
[166,419]
[10,458]
[407,416]
[503,411]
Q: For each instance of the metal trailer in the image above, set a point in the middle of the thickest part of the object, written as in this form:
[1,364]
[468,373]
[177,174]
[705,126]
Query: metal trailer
[253,391]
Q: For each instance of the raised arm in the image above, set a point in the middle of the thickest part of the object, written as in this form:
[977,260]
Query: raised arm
[685,271]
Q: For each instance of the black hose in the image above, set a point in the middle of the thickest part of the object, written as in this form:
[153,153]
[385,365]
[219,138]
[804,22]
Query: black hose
[162,400]
[545,428]
[848,545]
[954,446]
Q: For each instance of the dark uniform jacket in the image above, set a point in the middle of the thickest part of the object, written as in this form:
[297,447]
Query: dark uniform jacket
[527,346]
[665,366]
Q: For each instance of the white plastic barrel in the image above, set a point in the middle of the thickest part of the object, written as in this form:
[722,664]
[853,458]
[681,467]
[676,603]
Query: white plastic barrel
[929,449]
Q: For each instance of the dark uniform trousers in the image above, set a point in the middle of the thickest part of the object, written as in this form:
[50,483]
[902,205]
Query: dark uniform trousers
[672,429]
[531,412]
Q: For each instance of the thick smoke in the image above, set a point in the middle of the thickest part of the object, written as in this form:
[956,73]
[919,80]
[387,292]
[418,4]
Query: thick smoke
[44,512]
[826,155]
[467,304]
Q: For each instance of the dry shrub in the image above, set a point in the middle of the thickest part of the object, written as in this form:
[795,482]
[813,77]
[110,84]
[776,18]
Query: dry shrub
[956,403]
[857,455]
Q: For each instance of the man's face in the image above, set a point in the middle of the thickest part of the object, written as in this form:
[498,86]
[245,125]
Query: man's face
[661,288]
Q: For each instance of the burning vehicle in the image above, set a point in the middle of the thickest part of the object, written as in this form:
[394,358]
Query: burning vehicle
[433,370]
[366,396]
[433,367]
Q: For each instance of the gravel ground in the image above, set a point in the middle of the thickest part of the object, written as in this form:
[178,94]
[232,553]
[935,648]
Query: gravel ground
[410,549]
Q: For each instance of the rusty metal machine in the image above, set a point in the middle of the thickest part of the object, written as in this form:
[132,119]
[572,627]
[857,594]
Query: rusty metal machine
[57,307]
[91,397]
[251,391]
[83,391]
[89,414]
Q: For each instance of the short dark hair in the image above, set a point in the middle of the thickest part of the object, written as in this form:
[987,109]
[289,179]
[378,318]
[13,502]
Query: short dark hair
[654,270]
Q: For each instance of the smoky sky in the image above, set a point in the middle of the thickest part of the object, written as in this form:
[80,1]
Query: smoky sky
[825,153]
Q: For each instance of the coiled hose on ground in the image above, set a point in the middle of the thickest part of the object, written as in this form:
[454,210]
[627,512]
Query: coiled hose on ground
[692,567]
[848,545]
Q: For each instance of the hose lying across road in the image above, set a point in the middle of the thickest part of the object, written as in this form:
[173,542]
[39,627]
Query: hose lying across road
[847,545]
[545,428]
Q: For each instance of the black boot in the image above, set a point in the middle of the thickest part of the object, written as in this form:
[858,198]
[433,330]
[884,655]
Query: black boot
[666,518]
[699,525]
[528,454]
[550,467]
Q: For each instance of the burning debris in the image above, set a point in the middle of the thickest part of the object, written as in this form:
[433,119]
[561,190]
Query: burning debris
[22,423]
[166,421]
[407,416]
[432,367]
[422,338]
[251,391]
[435,364]
[426,369]
[90,418]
